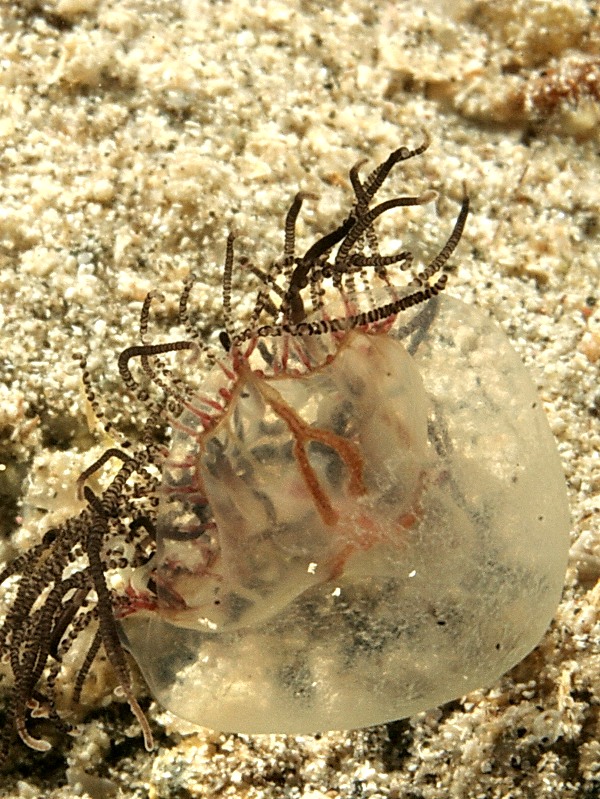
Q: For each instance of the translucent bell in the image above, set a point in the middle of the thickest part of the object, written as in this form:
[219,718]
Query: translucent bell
[378,529]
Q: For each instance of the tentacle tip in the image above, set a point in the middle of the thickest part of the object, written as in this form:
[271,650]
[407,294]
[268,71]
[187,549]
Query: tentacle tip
[360,163]
[428,196]
[155,294]
[148,740]
[308,195]
[39,744]
[79,489]
[225,340]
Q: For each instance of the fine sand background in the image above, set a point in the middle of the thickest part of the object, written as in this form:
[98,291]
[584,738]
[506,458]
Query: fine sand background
[134,134]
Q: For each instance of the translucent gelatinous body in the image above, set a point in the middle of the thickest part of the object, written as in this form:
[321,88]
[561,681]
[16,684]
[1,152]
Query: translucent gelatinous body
[378,529]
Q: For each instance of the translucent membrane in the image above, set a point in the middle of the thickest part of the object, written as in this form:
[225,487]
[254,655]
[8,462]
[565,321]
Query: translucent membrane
[361,542]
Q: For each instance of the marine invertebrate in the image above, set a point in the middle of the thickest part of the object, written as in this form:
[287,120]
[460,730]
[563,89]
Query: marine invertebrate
[340,531]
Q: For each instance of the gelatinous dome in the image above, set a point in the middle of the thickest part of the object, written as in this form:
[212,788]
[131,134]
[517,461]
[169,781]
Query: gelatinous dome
[358,540]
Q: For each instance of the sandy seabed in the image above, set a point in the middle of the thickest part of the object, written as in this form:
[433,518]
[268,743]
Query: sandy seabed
[134,134]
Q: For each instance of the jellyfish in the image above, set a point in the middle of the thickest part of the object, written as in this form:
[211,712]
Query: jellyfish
[363,512]
[352,512]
